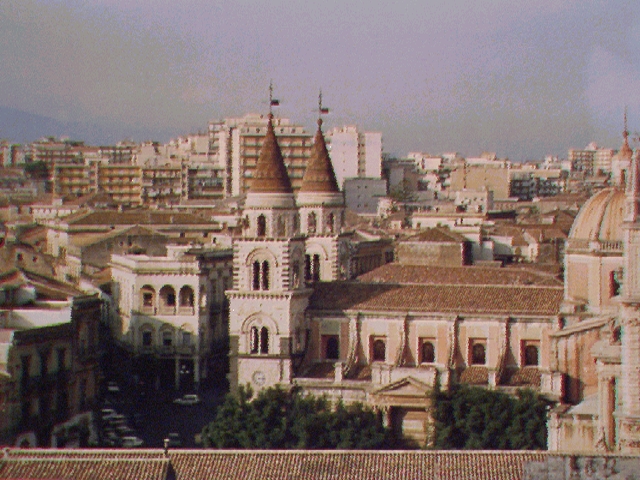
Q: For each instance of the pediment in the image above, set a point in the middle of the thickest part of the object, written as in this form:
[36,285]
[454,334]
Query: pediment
[405,387]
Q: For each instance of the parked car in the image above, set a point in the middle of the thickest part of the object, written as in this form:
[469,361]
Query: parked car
[188,399]
[174,440]
[108,414]
[131,442]
[113,387]
[125,430]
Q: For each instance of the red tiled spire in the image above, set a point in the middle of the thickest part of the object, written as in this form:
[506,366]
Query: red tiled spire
[270,175]
[319,175]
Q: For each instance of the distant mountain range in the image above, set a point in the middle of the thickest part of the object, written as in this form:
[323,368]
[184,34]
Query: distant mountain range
[18,126]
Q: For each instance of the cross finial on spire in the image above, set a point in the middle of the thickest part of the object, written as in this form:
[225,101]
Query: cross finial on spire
[321,110]
[626,130]
[272,101]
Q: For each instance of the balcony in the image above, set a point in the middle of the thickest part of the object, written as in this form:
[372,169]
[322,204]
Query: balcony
[166,310]
[186,350]
[166,350]
[186,310]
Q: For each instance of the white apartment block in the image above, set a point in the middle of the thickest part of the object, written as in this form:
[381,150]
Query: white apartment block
[355,154]
[425,162]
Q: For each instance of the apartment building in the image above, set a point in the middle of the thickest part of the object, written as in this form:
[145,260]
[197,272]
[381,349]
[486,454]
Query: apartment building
[355,153]
[236,144]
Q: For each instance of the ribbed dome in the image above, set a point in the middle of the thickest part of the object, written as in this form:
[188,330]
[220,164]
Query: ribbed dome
[600,218]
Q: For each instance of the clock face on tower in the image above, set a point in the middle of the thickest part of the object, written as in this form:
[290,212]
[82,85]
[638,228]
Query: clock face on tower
[258,378]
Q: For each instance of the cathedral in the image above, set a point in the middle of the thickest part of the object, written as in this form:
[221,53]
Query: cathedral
[597,348]
[388,337]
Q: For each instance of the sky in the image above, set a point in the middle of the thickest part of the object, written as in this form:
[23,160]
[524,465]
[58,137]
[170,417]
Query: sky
[522,79]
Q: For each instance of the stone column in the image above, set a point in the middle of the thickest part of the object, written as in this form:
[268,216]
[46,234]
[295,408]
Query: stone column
[605,436]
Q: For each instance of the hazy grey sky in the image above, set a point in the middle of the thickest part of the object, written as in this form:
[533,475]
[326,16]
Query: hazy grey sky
[521,78]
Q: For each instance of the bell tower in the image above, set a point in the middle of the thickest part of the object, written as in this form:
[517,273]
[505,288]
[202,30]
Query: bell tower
[269,298]
[322,210]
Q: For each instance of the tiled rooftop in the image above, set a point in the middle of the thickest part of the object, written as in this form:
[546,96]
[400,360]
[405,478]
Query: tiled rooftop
[436,235]
[265,465]
[459,299]
[427,275]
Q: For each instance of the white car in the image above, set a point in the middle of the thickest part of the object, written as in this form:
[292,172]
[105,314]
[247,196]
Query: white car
[113,387]
[188,399]
[173,440]
[131,442]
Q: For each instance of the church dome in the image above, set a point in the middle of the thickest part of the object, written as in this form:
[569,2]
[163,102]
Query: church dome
[600,218]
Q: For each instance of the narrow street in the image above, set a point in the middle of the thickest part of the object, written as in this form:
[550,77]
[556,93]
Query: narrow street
[154,415]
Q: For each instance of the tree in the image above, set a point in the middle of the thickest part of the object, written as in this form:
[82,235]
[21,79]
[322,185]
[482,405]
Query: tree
[475,418]
[36,170]
[403,193]
[286,419]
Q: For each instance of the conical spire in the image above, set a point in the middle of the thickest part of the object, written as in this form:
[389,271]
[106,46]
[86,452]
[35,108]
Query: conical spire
[270,175]
[319,175]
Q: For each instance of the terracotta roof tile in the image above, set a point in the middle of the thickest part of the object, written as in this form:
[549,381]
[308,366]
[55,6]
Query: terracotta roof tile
[459,299]
[436,235]
[134,217]
[425,275]
[269,465]
[270,175]
[530,376]
[475,375]
[319,175]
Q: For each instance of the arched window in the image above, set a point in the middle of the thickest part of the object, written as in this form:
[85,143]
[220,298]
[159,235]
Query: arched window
[378,350]
[186,296]
[311,223]
[427,352]
[147,297]
[261,229]
[478,354]
[312,268]
[315,268]
[531,356]
[264,340]
[255,340]
[259,340]
[332,347]
[265,275]
[280,225]
[260,275]
[146,337]
[167,299]
[167,338]
[331,223]
[255,282]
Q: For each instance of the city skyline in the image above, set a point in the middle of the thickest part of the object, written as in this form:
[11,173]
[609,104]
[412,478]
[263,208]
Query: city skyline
[522,81]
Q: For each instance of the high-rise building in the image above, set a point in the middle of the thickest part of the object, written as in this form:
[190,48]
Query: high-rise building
[236,143]
[355,153]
